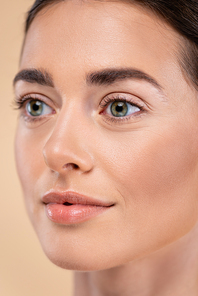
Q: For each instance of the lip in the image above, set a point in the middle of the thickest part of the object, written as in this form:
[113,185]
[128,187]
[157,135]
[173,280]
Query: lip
[69,207]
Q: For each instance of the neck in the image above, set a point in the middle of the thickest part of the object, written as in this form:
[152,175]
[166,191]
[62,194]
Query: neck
[171,271]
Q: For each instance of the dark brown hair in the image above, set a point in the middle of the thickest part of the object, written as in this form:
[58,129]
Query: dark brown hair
[182,15]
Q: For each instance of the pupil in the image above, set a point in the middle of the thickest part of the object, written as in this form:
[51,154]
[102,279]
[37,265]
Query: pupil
[119,108]
[36,107]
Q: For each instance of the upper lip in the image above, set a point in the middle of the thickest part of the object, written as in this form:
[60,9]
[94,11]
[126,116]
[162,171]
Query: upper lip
[61,197]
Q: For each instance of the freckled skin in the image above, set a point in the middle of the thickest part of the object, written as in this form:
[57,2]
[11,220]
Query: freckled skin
[147,166]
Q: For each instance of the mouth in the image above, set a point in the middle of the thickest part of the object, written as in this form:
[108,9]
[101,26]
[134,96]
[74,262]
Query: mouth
[71,207]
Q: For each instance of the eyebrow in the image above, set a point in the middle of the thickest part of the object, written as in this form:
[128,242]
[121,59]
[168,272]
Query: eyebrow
[39,76]
[110,76]
[104,77]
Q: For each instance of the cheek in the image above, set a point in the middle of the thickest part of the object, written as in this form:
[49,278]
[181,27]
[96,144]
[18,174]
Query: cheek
[29,159]
[156,175]
[31,167]
[154,162]
[163,167]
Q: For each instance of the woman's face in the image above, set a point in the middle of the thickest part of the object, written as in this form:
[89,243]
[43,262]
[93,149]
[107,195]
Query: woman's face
[108,123]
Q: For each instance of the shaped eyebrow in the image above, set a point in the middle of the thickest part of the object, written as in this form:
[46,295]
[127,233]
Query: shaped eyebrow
[110,76]
[39,76]
[103,77]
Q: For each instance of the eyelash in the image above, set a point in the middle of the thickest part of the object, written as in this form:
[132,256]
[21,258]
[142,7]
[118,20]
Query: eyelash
[21,100]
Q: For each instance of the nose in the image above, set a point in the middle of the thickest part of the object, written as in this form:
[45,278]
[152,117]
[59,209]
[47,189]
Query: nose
[67,147]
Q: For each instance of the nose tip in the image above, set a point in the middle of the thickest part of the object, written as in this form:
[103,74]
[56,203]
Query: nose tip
[64,159]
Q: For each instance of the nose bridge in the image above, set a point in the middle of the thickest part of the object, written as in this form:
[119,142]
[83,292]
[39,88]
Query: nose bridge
[67,146]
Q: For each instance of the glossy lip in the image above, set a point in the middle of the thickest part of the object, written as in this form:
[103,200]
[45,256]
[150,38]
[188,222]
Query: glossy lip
[68,207]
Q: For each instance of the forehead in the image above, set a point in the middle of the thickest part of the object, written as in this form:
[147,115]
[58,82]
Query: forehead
[74,37]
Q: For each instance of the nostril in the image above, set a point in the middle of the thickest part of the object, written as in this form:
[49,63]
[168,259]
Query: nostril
[70,166]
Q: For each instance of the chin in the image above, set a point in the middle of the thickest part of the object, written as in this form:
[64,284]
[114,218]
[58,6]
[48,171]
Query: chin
[77,263]
[78,255]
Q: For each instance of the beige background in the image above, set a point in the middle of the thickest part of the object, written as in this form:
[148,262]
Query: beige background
[24,269]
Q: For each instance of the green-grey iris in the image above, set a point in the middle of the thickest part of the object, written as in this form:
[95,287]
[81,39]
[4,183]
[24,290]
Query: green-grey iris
[119,109]
[35,108]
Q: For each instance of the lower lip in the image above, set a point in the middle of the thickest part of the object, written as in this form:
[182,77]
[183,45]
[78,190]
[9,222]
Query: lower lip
[72,214]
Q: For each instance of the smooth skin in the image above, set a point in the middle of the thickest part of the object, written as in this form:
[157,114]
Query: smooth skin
[145,162]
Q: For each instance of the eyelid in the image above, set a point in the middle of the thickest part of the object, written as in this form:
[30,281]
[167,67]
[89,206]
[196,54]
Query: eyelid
[21,100]
[121,96]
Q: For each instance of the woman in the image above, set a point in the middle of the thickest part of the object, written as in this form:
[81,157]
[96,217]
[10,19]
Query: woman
[106,144]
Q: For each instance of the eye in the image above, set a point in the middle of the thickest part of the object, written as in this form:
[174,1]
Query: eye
[121,109]
[37,108]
